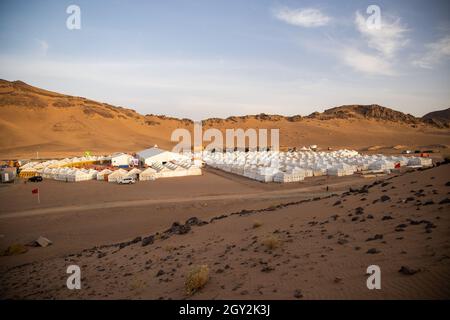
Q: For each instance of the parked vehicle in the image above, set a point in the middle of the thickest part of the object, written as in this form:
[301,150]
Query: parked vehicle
[35,179]
[126,180]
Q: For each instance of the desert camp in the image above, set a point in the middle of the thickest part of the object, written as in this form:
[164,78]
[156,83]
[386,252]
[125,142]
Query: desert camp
[225,154]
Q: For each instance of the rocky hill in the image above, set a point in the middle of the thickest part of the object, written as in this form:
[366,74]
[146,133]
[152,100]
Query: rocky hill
[36,120]
[439,118]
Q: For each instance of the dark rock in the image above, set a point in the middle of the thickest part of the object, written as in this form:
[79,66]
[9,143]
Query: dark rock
[160,273]
[267,269]
[178,228]
[386,218]
[337,203]
[373,251]
[298,294]
[136,240]
[430,225]
[218,217]
[375,237]
[444,201]
[148,240]
[124,244]
[408,271]
[359,210]
[342,241]
[194,221]
[385,198]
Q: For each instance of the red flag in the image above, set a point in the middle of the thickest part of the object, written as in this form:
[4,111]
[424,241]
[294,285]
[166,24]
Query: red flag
[35,191]
[397,165]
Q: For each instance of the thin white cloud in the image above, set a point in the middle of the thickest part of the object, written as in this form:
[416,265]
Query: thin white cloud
[388,39]
[366,63]
[307,18]
[435,54]
[43,46]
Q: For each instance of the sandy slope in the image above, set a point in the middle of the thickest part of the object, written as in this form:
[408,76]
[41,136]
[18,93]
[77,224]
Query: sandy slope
[323,251]
[55,125]
[83,215]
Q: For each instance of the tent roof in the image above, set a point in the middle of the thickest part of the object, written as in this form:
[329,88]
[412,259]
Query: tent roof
[148,171]
[135,170]
[148,153]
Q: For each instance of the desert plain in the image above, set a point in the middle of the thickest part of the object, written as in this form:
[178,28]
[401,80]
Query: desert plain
[313,239]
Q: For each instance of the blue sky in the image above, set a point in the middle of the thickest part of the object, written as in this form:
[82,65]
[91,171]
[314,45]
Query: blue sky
[208,58]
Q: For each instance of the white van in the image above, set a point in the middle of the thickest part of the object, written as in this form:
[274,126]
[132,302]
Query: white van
[126,180]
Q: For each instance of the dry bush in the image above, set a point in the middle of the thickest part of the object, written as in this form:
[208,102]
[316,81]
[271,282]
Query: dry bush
[15,249]
[92,110]
[151,122]
[257,224]
[446,158]
[169,248]
[197,279]
[62,104]
[271,242]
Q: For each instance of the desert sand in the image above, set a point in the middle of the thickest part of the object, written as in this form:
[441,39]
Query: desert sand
[259,241]
[308,240]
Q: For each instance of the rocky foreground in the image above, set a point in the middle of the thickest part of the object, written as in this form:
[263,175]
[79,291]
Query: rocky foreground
[311,249]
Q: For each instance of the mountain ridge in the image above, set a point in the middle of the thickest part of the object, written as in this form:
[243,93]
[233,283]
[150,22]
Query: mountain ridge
[34,119]
[371,111]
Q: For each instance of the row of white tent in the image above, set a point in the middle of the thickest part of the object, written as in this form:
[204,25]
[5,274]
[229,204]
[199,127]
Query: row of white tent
[68,174]
[75,175]
[37,165]
[155,171]
[277,166]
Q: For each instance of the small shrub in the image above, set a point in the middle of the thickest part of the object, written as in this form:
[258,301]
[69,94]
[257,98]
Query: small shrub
[257,224]
[197,279]
[15,249]
[447,158]
[271,242]
[169,248]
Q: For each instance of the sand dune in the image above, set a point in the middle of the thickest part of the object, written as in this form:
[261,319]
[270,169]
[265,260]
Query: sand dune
[316,248]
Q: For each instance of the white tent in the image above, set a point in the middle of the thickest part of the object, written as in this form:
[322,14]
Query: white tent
[151,155]
[117,175]
[134,172]
[93,174]
[102,174]
[148,174]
